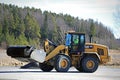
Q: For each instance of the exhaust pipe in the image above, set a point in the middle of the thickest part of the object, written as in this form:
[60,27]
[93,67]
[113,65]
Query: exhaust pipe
[90,38]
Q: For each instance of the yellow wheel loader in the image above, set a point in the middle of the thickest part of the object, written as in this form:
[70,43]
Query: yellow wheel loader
[85,57]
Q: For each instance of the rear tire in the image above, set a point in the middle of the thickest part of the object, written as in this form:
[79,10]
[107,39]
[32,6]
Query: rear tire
[89,64]
[62,63]
[45,67]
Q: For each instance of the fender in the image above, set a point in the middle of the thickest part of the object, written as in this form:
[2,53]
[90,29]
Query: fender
[93,53]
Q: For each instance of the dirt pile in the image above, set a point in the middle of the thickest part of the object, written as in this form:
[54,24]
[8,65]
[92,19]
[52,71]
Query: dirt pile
[8,61]
[115,58]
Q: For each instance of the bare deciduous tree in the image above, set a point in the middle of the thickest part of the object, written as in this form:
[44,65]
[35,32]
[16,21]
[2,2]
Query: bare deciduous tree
[117,17]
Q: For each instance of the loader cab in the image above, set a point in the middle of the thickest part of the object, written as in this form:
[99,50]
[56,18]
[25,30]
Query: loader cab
[75,42]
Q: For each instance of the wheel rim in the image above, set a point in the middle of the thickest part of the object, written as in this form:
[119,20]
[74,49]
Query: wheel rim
[63,63]
[90,64]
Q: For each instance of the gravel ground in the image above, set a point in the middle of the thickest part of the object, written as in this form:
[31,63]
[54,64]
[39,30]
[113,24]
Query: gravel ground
[15,73]
[8,61]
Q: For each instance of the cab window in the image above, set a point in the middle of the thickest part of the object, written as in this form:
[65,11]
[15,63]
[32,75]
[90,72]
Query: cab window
[75,39]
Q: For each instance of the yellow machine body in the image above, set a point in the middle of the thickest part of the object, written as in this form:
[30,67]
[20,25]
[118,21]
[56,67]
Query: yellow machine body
[96,50]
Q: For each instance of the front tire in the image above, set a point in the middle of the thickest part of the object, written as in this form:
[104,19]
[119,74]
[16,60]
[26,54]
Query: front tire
[45,67]
[62,63]
[89,64]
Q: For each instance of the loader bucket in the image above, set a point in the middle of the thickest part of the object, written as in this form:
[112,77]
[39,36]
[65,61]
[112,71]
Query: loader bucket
[18,51]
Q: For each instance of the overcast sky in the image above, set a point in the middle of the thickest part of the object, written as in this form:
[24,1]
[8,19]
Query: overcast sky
[99,10]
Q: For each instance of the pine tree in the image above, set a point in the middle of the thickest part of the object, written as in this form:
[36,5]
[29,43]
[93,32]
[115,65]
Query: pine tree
[44,30]
[1,33]
[32,29]
[5,27]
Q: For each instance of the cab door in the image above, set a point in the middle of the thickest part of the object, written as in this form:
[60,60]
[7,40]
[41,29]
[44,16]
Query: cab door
[77,43]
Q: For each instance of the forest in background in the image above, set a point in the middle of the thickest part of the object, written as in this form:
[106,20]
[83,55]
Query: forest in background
[30,26]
